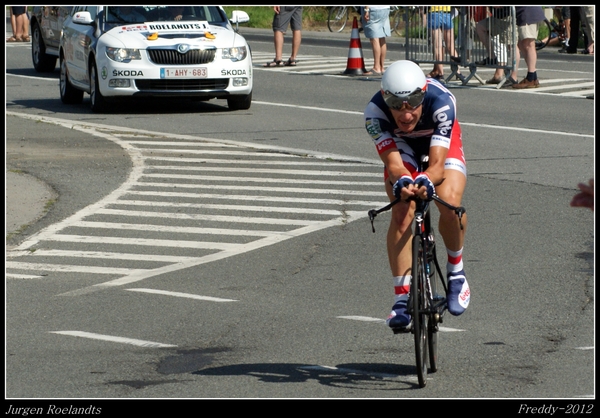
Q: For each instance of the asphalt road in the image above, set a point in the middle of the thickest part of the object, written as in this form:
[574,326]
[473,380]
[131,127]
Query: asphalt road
[290,327]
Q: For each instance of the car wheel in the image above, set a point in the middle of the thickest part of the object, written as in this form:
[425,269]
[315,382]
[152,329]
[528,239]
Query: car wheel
[239,102]
[68,93]
[98,102]
[42,62]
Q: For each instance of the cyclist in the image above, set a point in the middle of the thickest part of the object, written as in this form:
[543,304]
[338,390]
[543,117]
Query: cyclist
[412,116]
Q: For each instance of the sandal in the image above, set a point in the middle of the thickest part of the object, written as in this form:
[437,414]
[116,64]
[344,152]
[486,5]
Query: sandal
[274,63]
[26,39]
[14,39]
[373,72]
[290,63]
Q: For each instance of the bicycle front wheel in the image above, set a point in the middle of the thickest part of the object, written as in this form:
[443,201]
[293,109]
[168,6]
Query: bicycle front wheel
[419,313]
[337,18]
[434,276]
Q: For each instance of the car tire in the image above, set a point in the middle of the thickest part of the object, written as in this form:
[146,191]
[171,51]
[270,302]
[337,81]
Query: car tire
[239,102]
[42,62]
[68,93]
[97,100]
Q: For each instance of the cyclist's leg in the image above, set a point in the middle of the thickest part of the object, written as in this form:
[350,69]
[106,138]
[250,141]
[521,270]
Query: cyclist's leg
[451,191]
[399,247]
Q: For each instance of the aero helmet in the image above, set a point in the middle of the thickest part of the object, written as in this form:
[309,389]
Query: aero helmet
[403,82]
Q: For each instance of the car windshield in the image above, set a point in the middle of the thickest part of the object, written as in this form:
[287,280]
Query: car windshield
[141,14]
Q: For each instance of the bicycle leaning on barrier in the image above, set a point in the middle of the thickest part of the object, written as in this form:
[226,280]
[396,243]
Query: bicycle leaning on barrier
[426,303]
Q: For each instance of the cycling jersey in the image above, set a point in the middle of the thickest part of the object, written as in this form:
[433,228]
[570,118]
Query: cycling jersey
[438,126]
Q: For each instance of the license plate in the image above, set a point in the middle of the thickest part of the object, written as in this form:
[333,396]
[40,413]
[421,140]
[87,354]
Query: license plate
[200,72]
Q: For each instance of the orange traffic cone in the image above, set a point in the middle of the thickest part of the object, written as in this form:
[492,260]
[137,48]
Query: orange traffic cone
[356,62]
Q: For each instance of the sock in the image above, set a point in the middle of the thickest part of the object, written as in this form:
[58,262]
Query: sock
[455,262]
[401,288]
[532,76]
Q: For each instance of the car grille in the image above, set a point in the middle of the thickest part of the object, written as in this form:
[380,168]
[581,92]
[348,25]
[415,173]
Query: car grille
[172,57]
[181,85]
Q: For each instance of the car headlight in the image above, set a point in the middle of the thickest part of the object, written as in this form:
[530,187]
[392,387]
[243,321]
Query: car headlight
[123,54]
[236,53]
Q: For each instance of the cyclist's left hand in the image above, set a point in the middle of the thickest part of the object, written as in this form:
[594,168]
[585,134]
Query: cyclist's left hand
[425,185]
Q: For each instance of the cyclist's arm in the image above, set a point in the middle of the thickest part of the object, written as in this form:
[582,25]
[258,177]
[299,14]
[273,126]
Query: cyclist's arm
[394,164]
[437,159]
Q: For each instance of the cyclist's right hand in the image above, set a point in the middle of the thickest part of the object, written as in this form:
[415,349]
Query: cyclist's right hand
[403,182]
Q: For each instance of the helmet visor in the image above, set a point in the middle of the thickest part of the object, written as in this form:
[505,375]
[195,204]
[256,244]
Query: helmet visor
[413,100]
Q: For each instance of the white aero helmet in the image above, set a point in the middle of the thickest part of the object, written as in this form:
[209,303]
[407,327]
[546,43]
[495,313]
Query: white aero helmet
[403,82]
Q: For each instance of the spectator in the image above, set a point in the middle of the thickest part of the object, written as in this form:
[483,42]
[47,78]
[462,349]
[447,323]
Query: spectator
[579,17]
[565,13]
[19,21]
[495,32]
[441,28]
[284,16]
[585,198]
[375,21]
[528,20]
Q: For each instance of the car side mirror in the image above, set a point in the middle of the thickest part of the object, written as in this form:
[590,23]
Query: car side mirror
[83,18]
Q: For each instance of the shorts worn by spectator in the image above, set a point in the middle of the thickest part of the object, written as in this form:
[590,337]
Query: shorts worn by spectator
[528,21]
[286,16]
[400,120]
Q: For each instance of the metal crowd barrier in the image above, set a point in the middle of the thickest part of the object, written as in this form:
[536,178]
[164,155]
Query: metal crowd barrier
[461,46]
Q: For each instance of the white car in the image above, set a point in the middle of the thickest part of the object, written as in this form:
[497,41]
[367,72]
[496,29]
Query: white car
[194,52]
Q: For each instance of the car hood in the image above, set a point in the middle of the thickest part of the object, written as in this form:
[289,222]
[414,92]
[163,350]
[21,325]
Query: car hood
[158,34]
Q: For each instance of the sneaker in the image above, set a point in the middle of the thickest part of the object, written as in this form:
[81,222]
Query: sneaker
[526,84]
[399,318]
[459,293]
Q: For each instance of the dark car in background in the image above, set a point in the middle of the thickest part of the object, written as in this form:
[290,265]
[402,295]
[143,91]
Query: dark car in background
[45,27]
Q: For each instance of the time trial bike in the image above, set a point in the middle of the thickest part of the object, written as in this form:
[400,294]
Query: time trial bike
[427,301]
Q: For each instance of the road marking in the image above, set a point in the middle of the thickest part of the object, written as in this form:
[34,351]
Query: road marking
[144,242]
[294,190]
[140,343]
[68,268]
[200,217]
[371,319]
[182,295]
[266,180]
[256,198]
[22,276]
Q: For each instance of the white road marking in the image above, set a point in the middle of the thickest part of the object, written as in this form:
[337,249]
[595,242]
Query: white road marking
[379,320]
[182,295]
[140,343]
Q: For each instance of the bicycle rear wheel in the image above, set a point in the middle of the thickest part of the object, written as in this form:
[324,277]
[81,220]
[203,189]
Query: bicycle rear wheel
[337,18]
[419,313]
